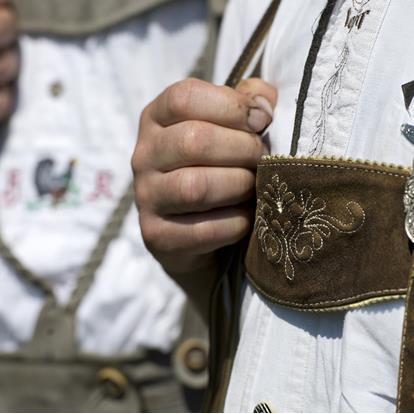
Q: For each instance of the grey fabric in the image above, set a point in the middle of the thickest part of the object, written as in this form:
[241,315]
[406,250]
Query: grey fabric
[54,336]
[50,374]
[75,385]
[78,17]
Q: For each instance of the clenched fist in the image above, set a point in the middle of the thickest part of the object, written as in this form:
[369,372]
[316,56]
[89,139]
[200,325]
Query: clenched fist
[9,59]
[194,168]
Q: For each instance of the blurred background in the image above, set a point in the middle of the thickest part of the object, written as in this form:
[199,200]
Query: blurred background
[88,319]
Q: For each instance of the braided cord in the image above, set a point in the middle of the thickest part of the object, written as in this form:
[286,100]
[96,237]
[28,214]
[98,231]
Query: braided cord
[110,232]
[21,270]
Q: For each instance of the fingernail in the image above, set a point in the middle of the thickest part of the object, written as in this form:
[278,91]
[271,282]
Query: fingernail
[264,104]
[257,119]
[260,116]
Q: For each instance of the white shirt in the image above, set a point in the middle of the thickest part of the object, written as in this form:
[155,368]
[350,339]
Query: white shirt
[339,361]
[105,80]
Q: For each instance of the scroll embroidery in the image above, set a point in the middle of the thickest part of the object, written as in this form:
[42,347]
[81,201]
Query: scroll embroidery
[331,88]
[333,84]
[293,227]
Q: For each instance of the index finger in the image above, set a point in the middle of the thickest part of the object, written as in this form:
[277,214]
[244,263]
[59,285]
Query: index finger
[201,101]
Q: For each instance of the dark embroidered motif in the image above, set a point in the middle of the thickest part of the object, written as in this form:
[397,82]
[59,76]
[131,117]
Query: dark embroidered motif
[292,228]
[262,407]
[358,19]
[48,182]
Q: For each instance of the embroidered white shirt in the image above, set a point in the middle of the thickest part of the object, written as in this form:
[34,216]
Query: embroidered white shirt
[342,361]
[79,103]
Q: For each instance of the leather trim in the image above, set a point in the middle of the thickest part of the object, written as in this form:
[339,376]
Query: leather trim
[322,241]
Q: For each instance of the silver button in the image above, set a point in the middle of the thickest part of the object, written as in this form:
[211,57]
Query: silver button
[409,206]
[408,131]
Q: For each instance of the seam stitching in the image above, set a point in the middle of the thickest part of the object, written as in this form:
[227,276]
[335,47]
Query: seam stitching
[313,304]
[338,167]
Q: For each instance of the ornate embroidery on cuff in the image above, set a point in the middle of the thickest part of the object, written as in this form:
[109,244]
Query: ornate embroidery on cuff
[292,228]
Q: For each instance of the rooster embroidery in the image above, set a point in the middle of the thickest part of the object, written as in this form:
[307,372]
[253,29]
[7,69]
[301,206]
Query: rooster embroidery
[48,182]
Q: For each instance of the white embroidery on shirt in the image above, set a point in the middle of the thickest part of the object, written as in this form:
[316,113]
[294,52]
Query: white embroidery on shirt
[334,83]
[331,88]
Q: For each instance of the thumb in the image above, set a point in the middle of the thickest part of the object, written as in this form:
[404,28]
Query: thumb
[262,93]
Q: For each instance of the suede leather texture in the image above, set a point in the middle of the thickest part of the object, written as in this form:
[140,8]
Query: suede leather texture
[329,234]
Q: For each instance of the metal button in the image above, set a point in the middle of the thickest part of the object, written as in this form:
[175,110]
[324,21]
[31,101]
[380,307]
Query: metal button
[56,89]
[114,381]
[263,407]
[190,362]
[408,201]
[408,131]
[196,358]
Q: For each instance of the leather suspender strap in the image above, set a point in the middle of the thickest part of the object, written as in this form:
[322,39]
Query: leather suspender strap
[307,75]
[253,45]
[405,400]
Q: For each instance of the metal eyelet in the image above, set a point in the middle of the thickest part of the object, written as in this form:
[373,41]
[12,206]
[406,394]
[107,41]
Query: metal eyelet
[114,382]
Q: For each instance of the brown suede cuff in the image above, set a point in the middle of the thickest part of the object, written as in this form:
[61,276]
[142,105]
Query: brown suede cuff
[329,234]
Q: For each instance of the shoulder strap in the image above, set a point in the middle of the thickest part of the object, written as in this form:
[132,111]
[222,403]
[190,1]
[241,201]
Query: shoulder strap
[22,271]
[253,45]
[109,233]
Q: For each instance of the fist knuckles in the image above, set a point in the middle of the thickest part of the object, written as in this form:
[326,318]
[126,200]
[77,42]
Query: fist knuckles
[194,167]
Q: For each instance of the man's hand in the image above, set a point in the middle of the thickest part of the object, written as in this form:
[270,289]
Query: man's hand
[194,168]
[9,59]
